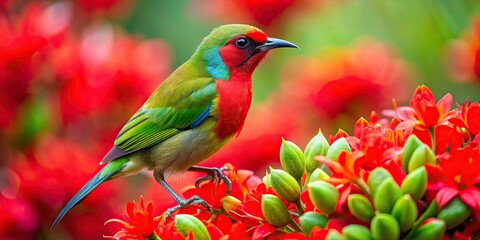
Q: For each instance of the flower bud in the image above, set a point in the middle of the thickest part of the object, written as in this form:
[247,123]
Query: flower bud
[384,226]
[284,185]
[421,156]
[405,211]
[266,180]
[376,177]
[336,148]
[415,183]
[275,212]
[318,146]
[184,223]
[292,159]
[411,144]
[387,194]
[432,229]
[454,213]
[360,207]
[334,235]
[230,203]
[356,232]
[324,196]
[311,219]
[317,175]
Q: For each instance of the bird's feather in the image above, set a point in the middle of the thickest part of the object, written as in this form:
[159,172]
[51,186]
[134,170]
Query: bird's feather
[156,121]
[107,173]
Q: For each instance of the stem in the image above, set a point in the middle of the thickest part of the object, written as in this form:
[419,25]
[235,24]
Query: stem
[295,226]
[300,208]
[363,186]
[431,211]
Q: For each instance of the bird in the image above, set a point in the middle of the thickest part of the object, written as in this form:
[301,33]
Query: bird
[195,111]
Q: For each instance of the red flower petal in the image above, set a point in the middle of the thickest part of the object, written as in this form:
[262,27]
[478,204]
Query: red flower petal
[445,195]
[263,231]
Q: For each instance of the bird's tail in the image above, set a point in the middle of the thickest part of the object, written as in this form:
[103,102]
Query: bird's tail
[108,172]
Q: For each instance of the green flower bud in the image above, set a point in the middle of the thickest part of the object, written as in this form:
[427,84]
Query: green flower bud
[415,183]
[317,175]
[275,212]
[324,196]
[360,207]
[336,148]
[318,146]
[311,219]
[376,177]
[421,156]
[384,226]
[356,232]
[284,185]
[334,235]
[184,223]
[432,229]
[266,180]
[388,192]
[454,213]
[230,203]
[412,143]
[405,211]
[292,159]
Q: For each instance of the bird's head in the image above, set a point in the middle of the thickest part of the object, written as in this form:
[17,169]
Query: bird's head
[235,48]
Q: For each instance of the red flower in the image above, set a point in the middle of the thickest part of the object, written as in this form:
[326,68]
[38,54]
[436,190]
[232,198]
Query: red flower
[456,175]
[463,54]
[139,223]
[423,114]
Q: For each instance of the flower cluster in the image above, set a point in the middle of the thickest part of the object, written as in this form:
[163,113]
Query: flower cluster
[66,77]
[413,176]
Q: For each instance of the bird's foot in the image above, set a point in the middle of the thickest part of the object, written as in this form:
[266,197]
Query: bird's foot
[216,174]
[183,203]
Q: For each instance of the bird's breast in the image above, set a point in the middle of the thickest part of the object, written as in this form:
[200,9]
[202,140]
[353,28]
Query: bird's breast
[234,99]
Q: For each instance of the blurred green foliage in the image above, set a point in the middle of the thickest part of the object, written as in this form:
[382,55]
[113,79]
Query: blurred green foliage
[419,30]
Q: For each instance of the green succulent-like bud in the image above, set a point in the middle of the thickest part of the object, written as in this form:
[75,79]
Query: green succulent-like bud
[334,235]
[360,207]
[311,219]
[284,185]
[376,177]
[421,156]
[454,213]
[432,229]
[385,226]
[415,183]
[324,196]
[356,232]
[336,148]
[317,175]
[410,146]
[387,194]
[405,211]
[317,146]
[292,159]
[266,180]
[230,203]
[184,223]
[275,212]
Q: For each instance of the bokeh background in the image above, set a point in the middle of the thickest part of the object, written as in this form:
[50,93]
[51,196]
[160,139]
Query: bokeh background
[73,72]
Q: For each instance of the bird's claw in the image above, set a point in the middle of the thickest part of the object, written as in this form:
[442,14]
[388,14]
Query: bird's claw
[217,175]
[183,203]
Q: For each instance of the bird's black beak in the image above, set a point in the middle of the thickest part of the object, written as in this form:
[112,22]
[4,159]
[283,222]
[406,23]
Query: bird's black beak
[272,43]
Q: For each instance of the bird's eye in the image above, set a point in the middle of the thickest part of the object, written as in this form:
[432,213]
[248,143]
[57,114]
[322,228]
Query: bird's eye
[241,43]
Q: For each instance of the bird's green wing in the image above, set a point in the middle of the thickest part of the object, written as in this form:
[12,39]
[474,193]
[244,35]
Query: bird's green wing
[178,109]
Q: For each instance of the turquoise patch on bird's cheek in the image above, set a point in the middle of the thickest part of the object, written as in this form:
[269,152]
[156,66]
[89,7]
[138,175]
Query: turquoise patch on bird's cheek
[215,65]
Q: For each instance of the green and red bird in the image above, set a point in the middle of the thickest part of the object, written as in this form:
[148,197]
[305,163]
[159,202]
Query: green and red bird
[191,115]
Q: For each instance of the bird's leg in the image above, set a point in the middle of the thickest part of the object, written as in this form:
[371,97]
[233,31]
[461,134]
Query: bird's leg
[181,203]
[213,174]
